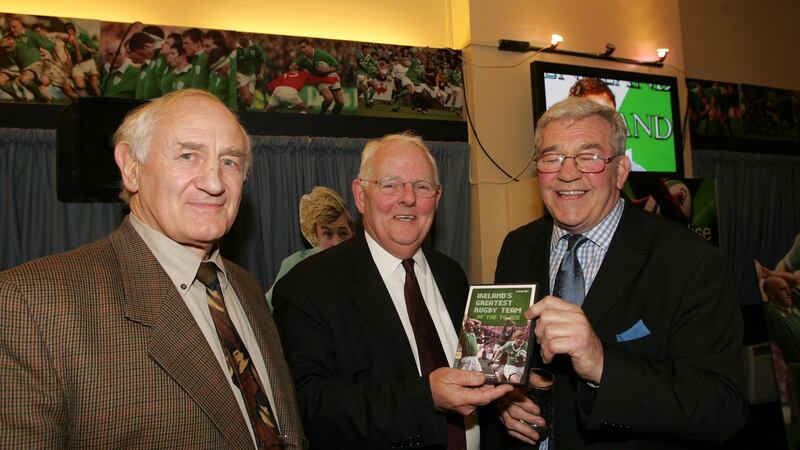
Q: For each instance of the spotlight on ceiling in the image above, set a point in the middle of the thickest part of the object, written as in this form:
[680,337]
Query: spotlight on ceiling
[555,39]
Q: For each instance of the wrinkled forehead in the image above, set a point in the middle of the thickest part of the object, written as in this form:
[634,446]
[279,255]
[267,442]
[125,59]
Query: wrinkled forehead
[568,133]
[196,114]
[401,158]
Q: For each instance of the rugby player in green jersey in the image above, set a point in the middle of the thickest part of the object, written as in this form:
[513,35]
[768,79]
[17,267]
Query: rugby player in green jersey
[250,67]
[120,77]
[366,73]
[29,60]
[321,64]
[193,46]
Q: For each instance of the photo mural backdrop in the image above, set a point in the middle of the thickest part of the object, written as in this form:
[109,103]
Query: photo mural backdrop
[58,60]
[744,117]
[779,286]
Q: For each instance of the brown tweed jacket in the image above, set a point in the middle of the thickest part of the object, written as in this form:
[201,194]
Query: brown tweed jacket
[98,350]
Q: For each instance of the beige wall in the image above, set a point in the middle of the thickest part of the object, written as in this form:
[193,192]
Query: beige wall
[357,20]
[743,41]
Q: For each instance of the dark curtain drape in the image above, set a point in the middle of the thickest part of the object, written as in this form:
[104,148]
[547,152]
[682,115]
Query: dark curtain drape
[34,223]
[758,199]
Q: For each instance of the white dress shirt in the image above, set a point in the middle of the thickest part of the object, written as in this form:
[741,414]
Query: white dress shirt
[394,277]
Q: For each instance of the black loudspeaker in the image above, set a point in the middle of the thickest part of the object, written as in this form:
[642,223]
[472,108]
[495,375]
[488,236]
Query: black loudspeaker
[86,171]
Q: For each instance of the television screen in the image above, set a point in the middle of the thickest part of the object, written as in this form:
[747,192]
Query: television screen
[648,103]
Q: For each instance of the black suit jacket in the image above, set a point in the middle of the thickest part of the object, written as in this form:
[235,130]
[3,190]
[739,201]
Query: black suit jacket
[354,371]
[674,387]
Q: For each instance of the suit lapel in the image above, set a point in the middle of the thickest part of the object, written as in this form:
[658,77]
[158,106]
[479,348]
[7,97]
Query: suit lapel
[371,297]
[540,259]
[454,297]
[625,257]
[176,343]
[267,338]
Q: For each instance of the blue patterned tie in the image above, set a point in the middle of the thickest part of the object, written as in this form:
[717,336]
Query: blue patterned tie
[569,283]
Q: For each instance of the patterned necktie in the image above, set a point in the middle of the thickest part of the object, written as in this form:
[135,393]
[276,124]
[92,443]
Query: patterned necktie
[240,367]
[569,283]
[429,348]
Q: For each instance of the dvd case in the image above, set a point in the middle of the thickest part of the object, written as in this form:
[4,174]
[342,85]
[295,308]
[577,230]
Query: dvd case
[495,334]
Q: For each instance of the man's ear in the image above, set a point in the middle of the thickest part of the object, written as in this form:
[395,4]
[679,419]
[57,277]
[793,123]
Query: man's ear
[623,170]
[358,195]
[128,166]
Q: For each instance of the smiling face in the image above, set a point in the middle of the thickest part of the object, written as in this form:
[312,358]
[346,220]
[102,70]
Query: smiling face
[579,201]
[190,184]
[399,223]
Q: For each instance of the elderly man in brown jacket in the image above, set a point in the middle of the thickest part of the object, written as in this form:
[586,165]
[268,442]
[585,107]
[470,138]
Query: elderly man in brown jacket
[123,343]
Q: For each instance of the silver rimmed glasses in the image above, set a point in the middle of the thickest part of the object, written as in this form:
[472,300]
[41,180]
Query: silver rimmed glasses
[586,162]
[393,186]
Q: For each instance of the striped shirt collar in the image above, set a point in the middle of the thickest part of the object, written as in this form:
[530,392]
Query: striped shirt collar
[590,254]
[600,235]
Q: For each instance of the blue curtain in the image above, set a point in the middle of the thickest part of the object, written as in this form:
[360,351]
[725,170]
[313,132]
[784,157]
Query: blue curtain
[758,207]
[34,223]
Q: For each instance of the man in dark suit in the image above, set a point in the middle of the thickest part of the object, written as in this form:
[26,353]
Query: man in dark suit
[115,344]
[354,335]
[651,358]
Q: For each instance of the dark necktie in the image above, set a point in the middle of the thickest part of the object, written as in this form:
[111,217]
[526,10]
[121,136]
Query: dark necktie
[429,348]
[240,367]
[569,283]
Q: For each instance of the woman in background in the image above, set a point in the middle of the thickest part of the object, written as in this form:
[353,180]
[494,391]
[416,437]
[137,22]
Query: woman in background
[325,222]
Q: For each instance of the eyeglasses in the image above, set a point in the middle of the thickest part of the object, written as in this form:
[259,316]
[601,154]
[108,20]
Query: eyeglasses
[393,186]
[584,162]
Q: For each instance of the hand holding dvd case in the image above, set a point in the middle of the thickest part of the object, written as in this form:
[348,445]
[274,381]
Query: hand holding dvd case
[495,333]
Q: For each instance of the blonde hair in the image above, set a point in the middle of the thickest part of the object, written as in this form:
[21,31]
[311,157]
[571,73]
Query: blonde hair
[320,207]
[138,128]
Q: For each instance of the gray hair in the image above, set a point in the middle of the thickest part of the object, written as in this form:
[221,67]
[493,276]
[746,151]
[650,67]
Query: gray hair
[139,125]
[365,170]
[573,109]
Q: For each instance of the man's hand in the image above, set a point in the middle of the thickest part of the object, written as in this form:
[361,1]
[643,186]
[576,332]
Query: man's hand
[562,328]
[462,391]
[517,412]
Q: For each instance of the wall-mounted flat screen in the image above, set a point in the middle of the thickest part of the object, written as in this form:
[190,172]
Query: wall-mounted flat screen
[648,103]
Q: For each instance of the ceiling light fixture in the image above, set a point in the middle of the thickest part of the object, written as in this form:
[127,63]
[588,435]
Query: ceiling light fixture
[555,39]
